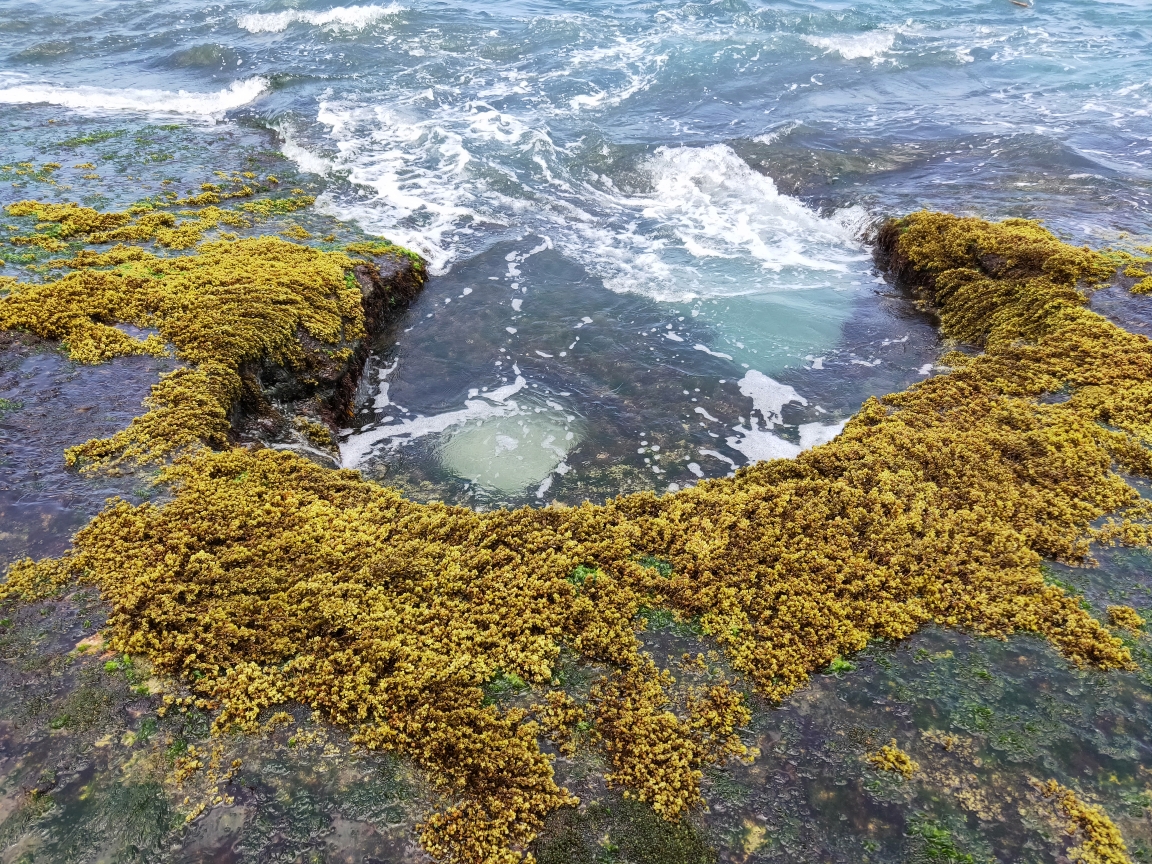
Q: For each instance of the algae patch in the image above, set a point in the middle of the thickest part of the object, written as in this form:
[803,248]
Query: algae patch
[231,303]
[1098,841]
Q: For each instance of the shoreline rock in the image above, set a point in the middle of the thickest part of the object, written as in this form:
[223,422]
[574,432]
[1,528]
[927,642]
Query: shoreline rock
[299,408]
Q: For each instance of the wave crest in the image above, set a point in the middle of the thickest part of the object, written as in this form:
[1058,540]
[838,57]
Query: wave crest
[337,18]
[205,105]
[871,44]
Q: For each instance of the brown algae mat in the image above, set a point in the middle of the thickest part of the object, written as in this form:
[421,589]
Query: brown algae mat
[267,580]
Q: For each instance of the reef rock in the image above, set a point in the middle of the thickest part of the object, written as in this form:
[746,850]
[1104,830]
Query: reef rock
[299,404]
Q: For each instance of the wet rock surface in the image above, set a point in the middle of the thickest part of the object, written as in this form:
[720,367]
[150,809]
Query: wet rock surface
[49,403]
[297,407]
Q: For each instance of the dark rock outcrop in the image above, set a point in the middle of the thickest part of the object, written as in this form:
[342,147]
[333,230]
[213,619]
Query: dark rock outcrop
[298,404]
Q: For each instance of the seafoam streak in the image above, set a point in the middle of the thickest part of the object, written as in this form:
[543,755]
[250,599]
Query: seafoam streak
[356,448]
[337,18]
[98,99]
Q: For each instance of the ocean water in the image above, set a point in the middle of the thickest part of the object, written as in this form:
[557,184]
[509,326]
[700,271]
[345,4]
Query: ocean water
[650,220]
[648,226]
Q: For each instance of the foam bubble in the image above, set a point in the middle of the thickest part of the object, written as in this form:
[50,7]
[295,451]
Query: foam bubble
[337,18]
[98,99]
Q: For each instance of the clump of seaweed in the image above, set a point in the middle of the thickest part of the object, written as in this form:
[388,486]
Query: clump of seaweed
[317,434]
[563,719]
[146,222]
[230,303]
[891,758]
[1126,618]
[1100,841]
[267,579]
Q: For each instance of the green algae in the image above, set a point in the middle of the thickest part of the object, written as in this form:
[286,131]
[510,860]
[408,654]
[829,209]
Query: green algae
[618,830]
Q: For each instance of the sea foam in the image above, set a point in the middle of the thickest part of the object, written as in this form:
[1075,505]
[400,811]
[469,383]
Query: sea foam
[444,169]
[871,44]
[769,398]
[710,226]
[337,18]
[98,99]
[719,207]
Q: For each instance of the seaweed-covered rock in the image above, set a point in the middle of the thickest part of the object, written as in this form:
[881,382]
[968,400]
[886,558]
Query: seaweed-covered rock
[296,404]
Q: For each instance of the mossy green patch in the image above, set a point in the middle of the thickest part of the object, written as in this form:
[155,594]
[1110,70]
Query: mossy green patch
[935,843]
[614,830]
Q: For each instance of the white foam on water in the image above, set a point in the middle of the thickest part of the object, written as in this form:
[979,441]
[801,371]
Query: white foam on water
[337,18]
[708,350]
[356,448]
[815,434]
[305,159]
[382,400]
[561,469]
[769,398]
[700,223]
[715,454]
[209,106]
[718,209]
[768,395]
[779,132]
[417,171]
[634,59]
[443,175]
[853,47]
[758,445]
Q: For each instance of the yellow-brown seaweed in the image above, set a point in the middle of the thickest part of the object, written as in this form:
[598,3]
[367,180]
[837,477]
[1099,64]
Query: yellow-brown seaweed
[1100,839]
[267,579]
[229,303]
[891,758]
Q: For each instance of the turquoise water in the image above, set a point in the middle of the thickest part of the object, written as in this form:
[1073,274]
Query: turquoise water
[686,187]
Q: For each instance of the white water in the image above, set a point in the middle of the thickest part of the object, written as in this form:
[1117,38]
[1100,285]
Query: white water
[769,398]
[337,18]
[853,47]
[356,448]
[99,99]
[705,225]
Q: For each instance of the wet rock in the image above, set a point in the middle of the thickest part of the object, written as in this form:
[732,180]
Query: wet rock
[44,784]
[299,404]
